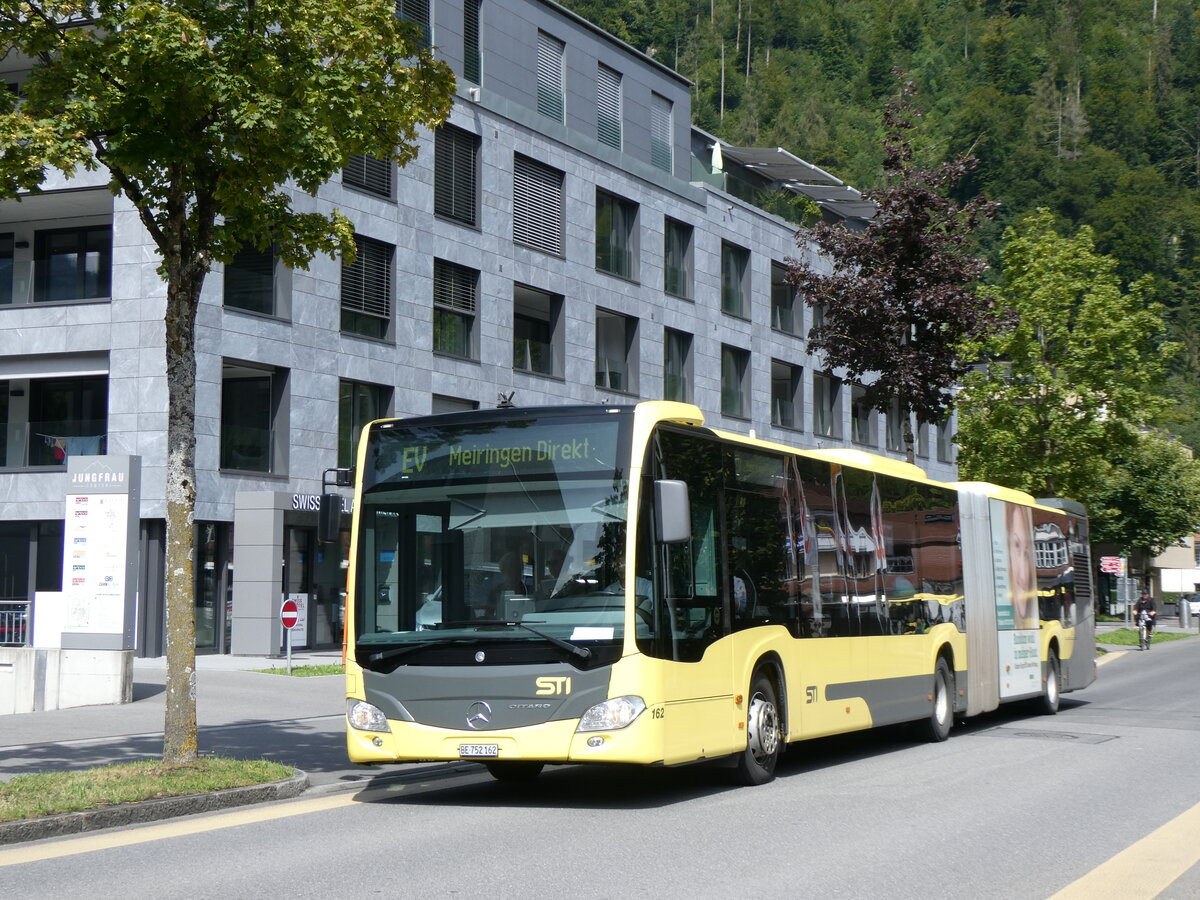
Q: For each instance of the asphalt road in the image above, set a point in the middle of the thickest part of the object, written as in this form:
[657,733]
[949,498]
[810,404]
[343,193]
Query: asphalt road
[1012,806]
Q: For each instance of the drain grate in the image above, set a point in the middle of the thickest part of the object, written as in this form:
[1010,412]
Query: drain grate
[1067,736]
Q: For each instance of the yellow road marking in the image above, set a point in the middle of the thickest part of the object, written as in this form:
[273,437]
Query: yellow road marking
[1110,656]
[1145,869]
[176,828]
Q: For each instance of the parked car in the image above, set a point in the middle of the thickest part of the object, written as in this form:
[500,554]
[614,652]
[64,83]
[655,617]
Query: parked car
[1193,602]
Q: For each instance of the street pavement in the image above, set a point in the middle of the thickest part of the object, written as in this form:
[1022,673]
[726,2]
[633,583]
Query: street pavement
[240,712]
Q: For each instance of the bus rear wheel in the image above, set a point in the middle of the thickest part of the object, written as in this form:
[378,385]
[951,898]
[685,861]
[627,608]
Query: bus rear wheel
[941,713]
[1047,704]
[764,738]
[514,769]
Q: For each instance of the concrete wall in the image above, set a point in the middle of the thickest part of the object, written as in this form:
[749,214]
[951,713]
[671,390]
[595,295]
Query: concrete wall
[34,679]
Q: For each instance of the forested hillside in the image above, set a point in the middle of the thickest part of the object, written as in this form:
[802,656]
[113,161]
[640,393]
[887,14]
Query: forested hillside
[1088,108]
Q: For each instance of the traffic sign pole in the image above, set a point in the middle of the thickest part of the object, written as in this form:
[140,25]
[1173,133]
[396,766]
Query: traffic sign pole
[289,615]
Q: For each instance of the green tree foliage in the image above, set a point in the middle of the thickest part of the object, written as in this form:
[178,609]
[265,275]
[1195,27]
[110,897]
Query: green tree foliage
[898,301]
[1059,404]
[1150,495]
[206,117]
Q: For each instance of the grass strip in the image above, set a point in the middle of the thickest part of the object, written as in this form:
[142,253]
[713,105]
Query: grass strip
[48,793]
[1128,637]
[305,671]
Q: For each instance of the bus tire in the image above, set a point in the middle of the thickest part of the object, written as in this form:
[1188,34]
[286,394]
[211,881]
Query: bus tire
[1047,704]
[514,769]
[764,738]
[941,711]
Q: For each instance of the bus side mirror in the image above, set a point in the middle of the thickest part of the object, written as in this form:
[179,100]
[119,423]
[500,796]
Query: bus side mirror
[672,512]
[329,518]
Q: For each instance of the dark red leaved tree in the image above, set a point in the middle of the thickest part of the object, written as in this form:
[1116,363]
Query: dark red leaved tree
[899,298]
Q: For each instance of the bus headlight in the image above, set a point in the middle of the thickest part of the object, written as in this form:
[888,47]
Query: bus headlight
[365,717]
[612,714]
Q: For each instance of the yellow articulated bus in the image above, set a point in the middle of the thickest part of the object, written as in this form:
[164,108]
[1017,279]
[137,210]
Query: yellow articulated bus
[626,585]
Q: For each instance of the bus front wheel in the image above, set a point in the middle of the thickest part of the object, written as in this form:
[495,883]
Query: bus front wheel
[764,739]
[941,713]
[514,769]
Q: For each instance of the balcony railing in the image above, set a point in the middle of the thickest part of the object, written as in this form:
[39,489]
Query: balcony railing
[15,623]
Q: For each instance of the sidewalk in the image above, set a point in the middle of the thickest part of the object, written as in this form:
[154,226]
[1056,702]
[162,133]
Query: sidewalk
[240,712]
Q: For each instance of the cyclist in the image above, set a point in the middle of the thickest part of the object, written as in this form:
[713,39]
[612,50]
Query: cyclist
[1145,604]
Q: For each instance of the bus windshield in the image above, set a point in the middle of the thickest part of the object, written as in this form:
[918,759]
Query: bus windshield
[511,529]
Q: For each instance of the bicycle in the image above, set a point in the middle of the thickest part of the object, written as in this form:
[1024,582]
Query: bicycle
[1145,630]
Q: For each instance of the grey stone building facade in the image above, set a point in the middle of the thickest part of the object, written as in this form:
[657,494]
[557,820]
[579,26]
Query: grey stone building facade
[567,237]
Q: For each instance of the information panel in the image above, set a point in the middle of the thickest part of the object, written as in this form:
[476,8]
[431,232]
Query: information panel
[100,552]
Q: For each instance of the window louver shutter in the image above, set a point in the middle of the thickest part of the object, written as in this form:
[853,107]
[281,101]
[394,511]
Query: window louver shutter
[417,12]
[550,77]
[472,63]
[369,174]
[660,132]
[608,107]
[454,174]
[537,205]
[367,285]
[454,286]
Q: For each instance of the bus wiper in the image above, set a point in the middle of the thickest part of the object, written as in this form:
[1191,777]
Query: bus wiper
[395,652]
[573,649]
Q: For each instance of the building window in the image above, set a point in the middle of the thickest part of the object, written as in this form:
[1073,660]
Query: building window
[616,235]
[251,407]
[735,382]
[472,58]
[73,263]
[661,127]
[818,316]
[922,435]
[31,558]
[358,404]
[6,269]
[894,433]
[250,281]
[44,421]
[536,338]
[616,350]
[945,450]
[417,12]
[537,205]
[367,289]
[368,174]
[550,81]
[455,301]
[608,106]
[456,175]
[785,394]
[783,301]
[827,410]
[677,366]
[677,259]
[862,418]
[735,280]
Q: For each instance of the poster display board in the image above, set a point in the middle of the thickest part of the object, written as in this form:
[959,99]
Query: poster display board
[1015,575]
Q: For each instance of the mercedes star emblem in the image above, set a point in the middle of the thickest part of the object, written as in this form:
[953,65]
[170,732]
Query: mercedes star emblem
[479,714]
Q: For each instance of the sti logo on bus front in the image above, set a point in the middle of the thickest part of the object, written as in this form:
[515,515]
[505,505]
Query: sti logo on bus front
[553,685]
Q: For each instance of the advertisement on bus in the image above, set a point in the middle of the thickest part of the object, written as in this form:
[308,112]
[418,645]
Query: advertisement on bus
[1015,573]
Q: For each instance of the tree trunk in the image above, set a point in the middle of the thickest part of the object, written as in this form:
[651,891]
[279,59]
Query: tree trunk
[910,454]
[183,295]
